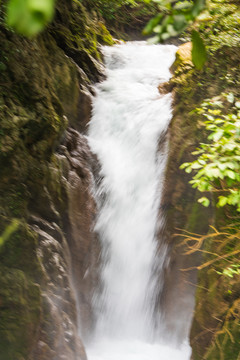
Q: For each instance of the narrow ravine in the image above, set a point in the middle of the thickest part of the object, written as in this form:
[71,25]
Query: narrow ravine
[129,119]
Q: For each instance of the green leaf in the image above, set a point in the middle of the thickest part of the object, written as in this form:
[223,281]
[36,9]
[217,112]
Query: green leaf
[230,97]
[237,104]
[180,22]
[199,54]
[157,29]
[152,24]
[222,166]
[198,6]
[171,30]
[184,165]
[182,6]
[217,135]
[29,17]
[154,40]
[231,174]
[188,169]
[204,201]
[196,165]
[222,201]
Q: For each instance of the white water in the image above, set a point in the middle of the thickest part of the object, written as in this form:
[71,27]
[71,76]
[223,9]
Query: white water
[129,117]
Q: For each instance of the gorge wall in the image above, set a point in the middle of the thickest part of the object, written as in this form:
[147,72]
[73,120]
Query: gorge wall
[46,172]
[215,327]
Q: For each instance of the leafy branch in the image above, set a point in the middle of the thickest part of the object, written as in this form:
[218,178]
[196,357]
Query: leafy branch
[217,167]
[173,18]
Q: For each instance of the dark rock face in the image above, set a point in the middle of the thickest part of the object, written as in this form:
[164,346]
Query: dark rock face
[65,248]
[46,177]
[214,331]
[81,212]
[179,206]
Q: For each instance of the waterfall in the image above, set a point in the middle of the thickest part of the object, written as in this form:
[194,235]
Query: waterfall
[129,118]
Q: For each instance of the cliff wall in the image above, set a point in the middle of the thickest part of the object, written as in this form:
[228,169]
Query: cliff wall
[46,172]
[215,327]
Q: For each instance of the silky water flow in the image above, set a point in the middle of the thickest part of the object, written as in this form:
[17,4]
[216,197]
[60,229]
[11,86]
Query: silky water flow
[129,118]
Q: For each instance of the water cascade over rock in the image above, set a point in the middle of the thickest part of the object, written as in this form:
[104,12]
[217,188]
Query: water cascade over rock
[128,134]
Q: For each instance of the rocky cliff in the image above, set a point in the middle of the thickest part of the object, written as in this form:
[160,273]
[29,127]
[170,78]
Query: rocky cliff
[183,214]
[46,174]
[215,327]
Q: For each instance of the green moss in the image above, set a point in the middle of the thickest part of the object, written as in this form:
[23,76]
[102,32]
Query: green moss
[20,306]
[216,310]
[226,344]
[20,250]
[79,33]
[123,18]
[183,58]
[104,37]
[195,218]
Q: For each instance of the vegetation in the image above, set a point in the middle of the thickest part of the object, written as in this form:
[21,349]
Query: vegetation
[123,16]
[217,173]
[173,18]
[218,162]
[209,100]
[29,17]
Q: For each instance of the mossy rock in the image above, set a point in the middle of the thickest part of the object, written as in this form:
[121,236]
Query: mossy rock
[45,87]
[20,251]
[214,334]
[183,57]
[20,307]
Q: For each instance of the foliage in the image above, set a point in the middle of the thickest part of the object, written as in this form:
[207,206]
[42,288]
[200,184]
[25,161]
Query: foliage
[29,17]
[199,53]
[219,24]
[226,248]
[110,9]
[123,14]
[173,18]
[215,328]
[218,162]
[231,270]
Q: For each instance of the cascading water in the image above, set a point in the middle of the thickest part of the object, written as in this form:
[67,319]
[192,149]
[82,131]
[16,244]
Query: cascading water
[129,118]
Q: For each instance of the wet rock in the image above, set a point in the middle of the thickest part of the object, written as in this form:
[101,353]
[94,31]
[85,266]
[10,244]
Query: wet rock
[165,88]
[83,242]
[45,166]
[179,205]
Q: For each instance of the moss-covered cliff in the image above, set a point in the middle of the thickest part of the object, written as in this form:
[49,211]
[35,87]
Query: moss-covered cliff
[125,19]
[215,329]
[182,211]
[45,103]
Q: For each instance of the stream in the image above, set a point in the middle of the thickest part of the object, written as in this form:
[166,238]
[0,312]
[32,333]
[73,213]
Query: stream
[129,117]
